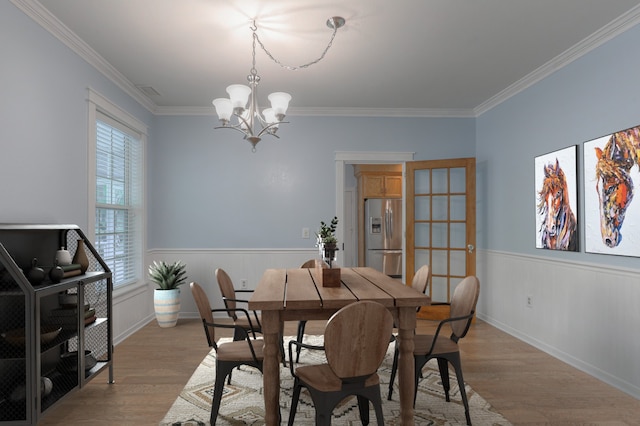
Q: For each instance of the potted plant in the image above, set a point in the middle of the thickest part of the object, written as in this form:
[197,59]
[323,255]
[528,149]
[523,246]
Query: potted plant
[166,298]
[327,241]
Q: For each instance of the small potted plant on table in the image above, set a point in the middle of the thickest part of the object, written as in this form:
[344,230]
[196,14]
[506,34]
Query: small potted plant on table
[166,298]
[327,241]
[328,246]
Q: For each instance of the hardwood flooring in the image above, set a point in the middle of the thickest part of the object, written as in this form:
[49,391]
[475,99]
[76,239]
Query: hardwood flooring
[524,384]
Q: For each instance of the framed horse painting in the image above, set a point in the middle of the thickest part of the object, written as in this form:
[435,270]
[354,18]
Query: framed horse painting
[611,178]
[556,196]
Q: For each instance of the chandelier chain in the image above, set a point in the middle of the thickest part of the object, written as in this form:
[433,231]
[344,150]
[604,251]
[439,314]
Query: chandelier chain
[289,67]
[253,63]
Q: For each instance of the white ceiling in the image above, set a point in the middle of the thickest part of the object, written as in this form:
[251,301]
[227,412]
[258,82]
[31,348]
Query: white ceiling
[403,57]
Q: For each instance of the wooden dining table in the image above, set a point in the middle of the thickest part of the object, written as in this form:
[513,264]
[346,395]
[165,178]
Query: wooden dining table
[297,294]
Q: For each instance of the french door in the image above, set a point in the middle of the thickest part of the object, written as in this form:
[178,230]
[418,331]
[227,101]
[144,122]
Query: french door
[441,222]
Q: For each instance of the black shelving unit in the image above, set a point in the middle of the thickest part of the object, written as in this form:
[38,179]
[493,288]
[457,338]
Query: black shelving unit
[37,367]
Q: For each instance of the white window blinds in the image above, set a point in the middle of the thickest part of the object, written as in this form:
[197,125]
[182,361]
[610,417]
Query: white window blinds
[118,199]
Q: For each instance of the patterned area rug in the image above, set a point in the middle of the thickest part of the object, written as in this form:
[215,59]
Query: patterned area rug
[243,402]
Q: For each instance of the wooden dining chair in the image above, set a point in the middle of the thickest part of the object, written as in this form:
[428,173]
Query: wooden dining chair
[245,351]
[231,301]
[445,349]
[356,339]
[309,264]
[420,283]
[229,297]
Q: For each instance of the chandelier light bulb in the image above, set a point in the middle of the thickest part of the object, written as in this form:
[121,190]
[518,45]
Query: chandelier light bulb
[246,117]
[223,109]
[279,103]
[239,94]
[269,116]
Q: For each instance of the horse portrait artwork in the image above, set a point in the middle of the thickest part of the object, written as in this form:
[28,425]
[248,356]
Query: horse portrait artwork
[558,227]
[614,185]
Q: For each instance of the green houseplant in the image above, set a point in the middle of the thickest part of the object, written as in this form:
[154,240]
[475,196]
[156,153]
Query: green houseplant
[166,298]
[327,233]
[327,241]
[168,276]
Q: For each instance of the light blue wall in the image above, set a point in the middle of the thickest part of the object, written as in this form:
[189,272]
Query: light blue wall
[208,190]
[584,306]
[595,95]
[43,123]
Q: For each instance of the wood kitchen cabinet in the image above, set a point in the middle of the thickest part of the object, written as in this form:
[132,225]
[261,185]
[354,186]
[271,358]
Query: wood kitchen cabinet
[380,181]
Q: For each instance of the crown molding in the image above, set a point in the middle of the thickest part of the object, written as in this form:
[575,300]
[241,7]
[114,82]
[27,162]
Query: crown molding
[49,22]
[337,112]
[46,20]
[370,157]
[385,112]
[606,33]
[185,110]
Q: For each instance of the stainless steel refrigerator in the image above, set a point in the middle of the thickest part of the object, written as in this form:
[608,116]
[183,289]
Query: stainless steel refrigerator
[383,235]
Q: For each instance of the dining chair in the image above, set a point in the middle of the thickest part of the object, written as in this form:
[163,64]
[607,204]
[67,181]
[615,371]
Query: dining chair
[356,339]
[420,282]
[445,349]
[231,302]
[246,351]
[309,264]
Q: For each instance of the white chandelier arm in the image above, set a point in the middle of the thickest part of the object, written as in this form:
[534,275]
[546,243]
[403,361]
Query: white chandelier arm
[270,127]
[238,127]
[232,127]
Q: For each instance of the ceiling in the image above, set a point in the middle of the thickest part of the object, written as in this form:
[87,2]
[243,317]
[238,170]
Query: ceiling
[403,58]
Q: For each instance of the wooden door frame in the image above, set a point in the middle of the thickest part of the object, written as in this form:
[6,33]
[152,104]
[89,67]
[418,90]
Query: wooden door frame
[469,164]
[342,158]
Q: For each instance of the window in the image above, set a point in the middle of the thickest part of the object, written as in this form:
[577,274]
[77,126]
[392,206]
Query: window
[119,206]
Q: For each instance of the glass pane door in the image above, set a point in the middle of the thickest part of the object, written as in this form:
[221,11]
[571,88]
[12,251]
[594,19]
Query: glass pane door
[441,222]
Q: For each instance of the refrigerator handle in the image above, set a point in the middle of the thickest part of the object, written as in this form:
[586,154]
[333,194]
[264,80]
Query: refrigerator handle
[386,224]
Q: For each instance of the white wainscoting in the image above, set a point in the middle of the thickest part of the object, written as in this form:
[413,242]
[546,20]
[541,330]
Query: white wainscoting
[240,264]
[134,308]
[586,315]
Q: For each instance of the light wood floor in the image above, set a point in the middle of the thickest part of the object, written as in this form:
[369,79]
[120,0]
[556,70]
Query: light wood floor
[525,385]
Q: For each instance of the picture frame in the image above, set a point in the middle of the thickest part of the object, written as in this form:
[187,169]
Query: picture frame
[611,178]
[556,200]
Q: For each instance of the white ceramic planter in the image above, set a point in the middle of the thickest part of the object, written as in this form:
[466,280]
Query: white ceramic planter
[167,306]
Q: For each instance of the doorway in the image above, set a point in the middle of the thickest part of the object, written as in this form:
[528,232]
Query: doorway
[345,204]
[445,179]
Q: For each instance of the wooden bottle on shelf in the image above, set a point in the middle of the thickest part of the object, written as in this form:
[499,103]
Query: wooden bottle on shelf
[80,257]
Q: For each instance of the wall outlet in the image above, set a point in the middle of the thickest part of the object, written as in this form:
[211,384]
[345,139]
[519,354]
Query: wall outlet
[243,284]
[529,301]
[305,233]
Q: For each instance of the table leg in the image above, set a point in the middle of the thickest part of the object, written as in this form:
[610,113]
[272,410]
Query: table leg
[406,365]
[271,366]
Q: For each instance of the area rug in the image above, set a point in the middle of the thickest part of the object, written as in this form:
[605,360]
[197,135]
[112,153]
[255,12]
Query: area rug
[243,401]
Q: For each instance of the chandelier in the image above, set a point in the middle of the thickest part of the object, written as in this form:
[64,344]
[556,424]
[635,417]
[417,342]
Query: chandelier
[234,113]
